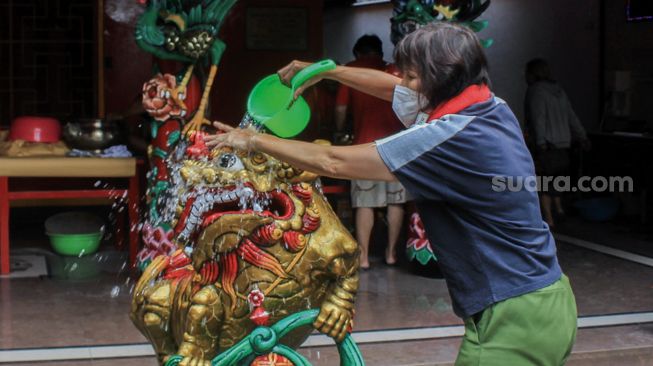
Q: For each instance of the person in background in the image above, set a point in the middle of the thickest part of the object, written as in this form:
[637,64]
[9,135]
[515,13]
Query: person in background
[552,125]
[373,119]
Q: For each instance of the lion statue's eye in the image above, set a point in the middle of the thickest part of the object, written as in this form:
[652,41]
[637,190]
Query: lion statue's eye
[230,162]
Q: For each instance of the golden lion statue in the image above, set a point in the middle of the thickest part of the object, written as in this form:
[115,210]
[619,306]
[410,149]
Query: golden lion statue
[257,241]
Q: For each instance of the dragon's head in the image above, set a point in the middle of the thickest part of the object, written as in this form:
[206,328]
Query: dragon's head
[182,30]
[232,205]
[410,15]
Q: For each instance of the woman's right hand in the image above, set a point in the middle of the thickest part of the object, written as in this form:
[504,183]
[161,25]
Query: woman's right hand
[289,71]
[227,136]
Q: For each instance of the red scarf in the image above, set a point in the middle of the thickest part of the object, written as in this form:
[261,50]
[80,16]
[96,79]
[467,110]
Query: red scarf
[473,94]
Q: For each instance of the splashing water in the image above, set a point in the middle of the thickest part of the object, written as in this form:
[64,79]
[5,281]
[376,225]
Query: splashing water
[247,121]
[115,291]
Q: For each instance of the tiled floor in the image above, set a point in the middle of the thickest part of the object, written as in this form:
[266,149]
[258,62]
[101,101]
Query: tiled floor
[590,344]
[629,235]
[43,313]
[594,347]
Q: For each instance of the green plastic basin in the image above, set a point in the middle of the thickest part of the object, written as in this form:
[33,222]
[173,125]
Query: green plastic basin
[75,244]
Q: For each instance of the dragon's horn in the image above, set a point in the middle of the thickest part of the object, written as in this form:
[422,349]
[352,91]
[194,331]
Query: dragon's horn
[218,10]
[477,8]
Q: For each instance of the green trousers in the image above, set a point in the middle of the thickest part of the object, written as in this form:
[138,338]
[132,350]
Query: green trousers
[537,328]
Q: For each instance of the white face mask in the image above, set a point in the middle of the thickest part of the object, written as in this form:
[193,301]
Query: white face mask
[407,105]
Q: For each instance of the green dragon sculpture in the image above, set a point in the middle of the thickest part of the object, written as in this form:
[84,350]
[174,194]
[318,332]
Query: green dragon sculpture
[410,15]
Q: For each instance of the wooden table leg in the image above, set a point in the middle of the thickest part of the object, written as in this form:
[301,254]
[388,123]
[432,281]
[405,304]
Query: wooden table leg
[133,205]
[4,225]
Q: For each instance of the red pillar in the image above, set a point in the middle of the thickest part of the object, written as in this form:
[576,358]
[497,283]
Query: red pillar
[119,229]
[133,205]
[4,225]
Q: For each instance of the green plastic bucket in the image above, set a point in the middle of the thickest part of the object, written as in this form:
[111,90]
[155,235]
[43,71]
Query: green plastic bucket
[75,244]
[74,233]
[269,101]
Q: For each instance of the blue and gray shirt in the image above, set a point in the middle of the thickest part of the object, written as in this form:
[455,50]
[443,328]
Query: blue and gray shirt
[489,236]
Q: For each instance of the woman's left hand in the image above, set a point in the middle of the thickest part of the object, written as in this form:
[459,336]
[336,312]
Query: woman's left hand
[288,72]
[237,138]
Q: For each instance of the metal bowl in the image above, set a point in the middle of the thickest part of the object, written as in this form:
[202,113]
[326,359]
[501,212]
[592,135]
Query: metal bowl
[92,134]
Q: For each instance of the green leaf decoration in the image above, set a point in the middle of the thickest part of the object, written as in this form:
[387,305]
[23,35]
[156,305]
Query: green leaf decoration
[151,176]
[424,256]
[195,16]
[158,152]
[217,50]
[217,11]
[146,29]
[487,43]
[173,138]
[160,186]
[477,26]
[410,253]
[154,127]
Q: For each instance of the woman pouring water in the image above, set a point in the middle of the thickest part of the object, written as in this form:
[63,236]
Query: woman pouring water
[497,255]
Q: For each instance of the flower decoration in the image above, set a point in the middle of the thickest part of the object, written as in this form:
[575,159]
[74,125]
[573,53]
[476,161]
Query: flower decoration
[258,315]
[256,298]
[159,99]
[418,246]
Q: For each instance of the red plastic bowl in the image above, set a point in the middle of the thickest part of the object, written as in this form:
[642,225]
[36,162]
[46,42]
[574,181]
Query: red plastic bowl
[35,129]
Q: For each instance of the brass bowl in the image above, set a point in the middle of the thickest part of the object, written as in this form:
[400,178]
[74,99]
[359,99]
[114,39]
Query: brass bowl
[92,134]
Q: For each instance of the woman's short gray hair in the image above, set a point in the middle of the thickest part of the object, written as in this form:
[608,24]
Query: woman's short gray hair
[447,58]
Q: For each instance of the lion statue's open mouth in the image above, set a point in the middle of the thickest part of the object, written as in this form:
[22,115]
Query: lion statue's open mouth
[203,209]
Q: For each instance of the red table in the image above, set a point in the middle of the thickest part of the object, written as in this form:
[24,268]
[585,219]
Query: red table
[67,168]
